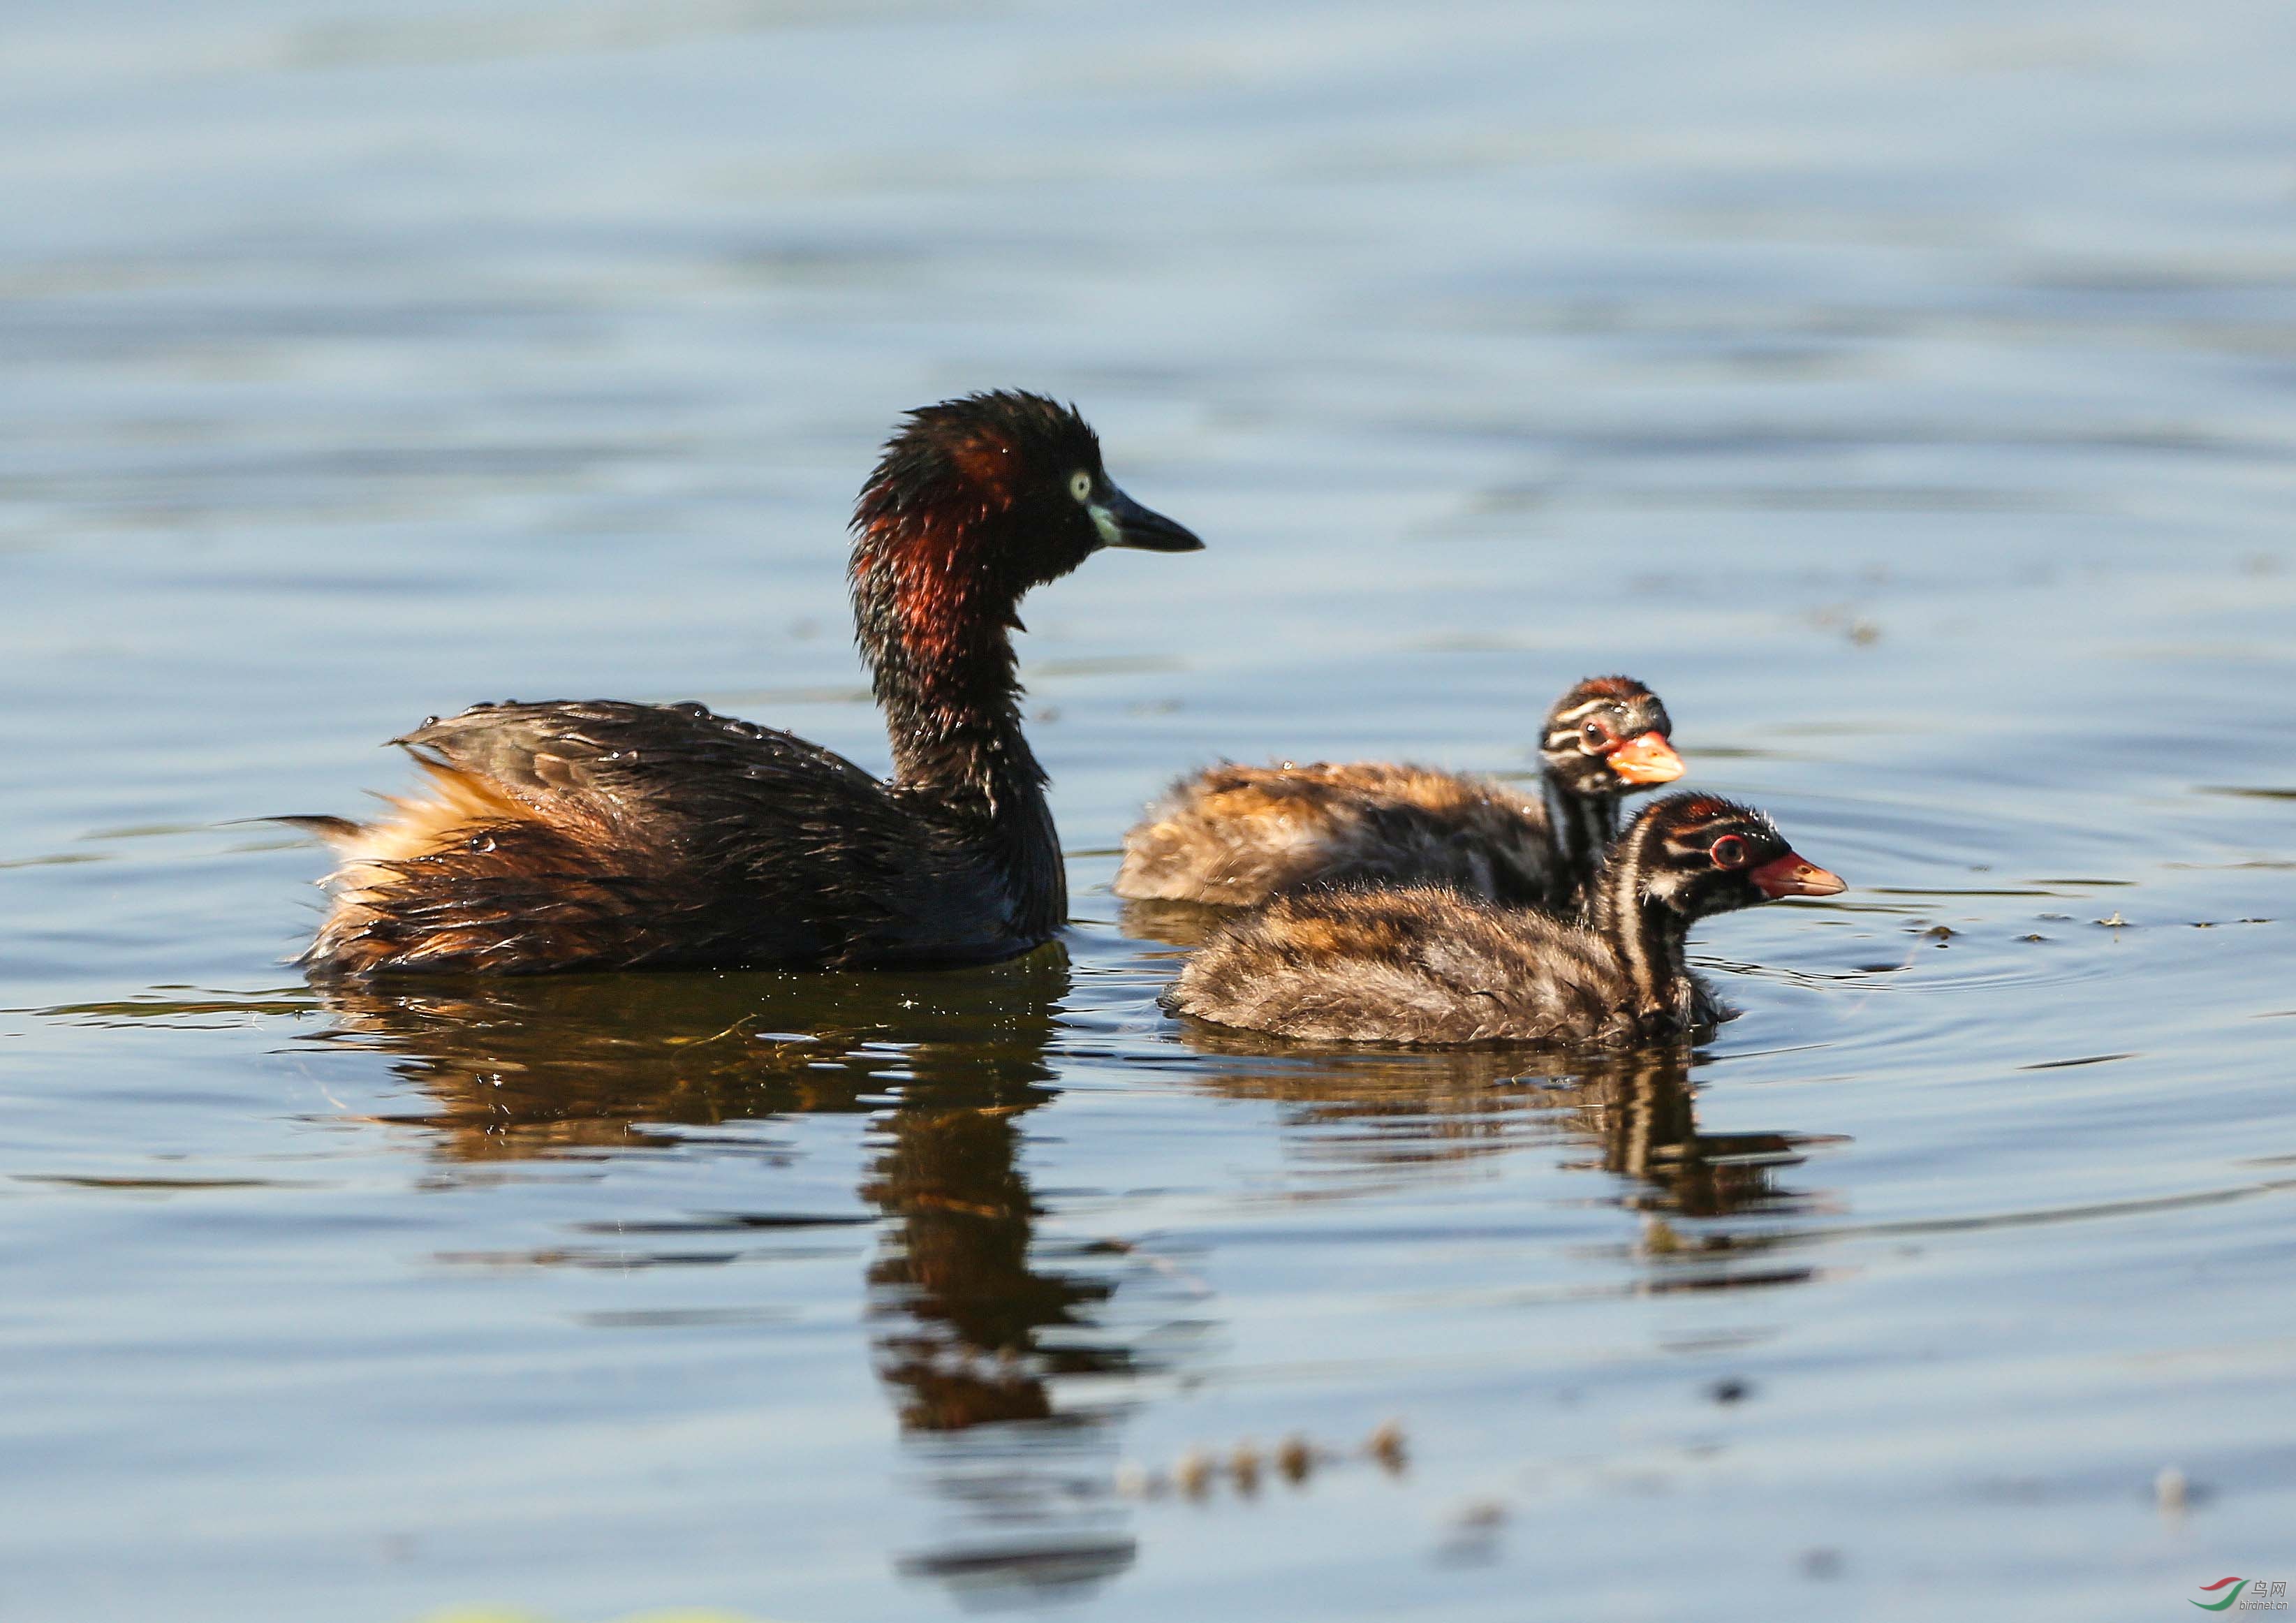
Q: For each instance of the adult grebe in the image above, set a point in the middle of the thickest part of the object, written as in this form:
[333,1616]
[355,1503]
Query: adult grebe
[605,835]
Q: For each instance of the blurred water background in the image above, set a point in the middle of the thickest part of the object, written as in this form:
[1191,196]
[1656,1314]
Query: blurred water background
[1906,392]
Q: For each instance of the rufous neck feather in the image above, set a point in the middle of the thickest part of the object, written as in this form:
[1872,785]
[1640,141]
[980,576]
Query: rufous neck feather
[934,623]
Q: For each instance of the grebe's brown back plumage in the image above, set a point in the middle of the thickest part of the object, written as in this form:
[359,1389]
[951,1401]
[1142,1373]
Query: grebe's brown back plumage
[1234,835]
[601,834]
[1426,964]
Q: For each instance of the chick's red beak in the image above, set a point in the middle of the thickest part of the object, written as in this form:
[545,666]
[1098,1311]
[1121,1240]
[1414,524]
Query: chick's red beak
[1646,760]
[1791,875]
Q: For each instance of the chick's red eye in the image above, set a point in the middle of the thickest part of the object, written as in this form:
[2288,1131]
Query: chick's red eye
[1729,852]
[1597,732]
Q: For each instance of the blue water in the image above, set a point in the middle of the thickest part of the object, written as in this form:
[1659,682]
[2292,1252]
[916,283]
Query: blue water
[1907,394]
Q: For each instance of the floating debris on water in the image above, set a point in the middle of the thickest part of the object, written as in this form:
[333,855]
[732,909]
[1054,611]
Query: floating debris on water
[1246,1466]
[1386,1446]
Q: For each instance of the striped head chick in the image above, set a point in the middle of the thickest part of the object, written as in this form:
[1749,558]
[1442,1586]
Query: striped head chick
[1609,737]
[1428,964]
[1693,855]
[1688,857]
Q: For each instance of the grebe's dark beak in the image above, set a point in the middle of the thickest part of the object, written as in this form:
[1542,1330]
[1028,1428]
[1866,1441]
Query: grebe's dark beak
[1791,875]
[1646,760]
[1125,522]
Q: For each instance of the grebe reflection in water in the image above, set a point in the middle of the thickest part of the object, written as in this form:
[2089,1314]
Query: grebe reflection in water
[972,1316]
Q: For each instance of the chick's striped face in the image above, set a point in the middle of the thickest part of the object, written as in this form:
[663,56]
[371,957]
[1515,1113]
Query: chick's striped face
[1713,856]
[1609,735]
[1707,833]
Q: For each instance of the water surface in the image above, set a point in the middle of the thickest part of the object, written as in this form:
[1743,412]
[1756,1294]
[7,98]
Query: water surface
[1907,394]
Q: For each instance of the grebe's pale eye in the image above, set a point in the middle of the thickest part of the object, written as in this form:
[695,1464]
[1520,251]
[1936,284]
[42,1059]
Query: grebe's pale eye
[1080,485]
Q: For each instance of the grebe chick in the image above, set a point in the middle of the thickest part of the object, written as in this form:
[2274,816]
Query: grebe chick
[605,835]
[1236,835]
[1427,965]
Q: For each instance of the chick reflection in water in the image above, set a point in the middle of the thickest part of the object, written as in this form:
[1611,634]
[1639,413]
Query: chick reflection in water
[1379,1115]
[960,1307]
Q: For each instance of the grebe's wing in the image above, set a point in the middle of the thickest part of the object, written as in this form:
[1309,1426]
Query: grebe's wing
[646,773]
[600,833]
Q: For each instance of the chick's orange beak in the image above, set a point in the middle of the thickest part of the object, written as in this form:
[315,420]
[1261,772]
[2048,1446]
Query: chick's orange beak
[1791,875]
[1646,760]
